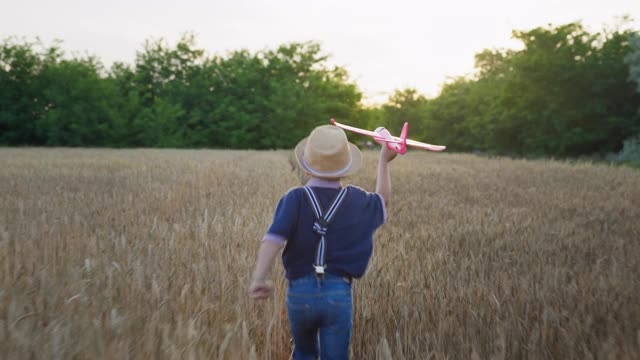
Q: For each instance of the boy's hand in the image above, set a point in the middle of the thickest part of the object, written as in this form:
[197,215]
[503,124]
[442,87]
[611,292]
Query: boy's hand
[387,154]
[259,289]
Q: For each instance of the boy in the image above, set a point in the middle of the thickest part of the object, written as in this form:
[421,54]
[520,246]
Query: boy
[326,231]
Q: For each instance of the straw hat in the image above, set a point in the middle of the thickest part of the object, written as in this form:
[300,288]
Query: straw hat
[326,153]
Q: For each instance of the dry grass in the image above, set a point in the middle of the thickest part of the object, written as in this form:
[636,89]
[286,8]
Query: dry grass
[146,254]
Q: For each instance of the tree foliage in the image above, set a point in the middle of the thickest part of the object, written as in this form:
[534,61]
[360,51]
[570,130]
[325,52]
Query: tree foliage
[567,92]
[170,97]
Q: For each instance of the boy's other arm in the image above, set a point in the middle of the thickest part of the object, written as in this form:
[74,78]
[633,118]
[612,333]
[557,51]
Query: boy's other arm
[383,181]
[259,289]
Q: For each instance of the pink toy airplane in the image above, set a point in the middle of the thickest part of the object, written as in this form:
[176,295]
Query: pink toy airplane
[397,144]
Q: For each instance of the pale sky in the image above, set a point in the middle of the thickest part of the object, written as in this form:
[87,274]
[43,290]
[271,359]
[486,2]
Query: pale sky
[385,45]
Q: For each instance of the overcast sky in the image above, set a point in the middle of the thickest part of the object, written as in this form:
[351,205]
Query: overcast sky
[385,45]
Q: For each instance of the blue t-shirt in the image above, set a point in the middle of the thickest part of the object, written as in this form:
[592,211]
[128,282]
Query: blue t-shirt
[349,239]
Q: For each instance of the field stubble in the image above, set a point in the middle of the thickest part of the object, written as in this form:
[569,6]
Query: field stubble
[147,254]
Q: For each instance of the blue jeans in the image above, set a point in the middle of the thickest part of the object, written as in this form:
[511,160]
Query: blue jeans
[320,317]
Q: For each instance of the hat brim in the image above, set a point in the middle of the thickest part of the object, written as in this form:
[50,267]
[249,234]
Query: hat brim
[356,161]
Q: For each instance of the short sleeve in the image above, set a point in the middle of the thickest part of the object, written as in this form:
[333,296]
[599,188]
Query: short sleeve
[375,202]
[284,219]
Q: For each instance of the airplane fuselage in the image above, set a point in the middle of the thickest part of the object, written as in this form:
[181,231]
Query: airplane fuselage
[400,147]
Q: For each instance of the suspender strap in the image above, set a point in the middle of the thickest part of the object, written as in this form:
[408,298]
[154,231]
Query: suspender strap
[321,225]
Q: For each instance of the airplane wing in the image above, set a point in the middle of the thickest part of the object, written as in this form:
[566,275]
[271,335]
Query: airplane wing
[391,139]
[355,129]
[425,146]
[373,134]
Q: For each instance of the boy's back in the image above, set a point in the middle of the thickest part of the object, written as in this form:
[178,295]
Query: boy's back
[349,239]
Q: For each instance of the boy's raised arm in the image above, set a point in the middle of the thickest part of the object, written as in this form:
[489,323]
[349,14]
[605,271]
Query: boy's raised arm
[383,181]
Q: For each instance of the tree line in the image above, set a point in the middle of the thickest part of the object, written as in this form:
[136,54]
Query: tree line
[170,97]
[567,92]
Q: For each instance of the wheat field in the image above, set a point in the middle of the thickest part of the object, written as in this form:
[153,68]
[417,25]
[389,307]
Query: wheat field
[139,254]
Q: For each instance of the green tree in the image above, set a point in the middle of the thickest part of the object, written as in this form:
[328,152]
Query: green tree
[565,93]
[633,60]
[80,103]
[272,98]
[406,106]
[21,97]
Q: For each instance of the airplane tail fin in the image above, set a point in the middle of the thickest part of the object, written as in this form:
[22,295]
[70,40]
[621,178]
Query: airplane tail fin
[403,136]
